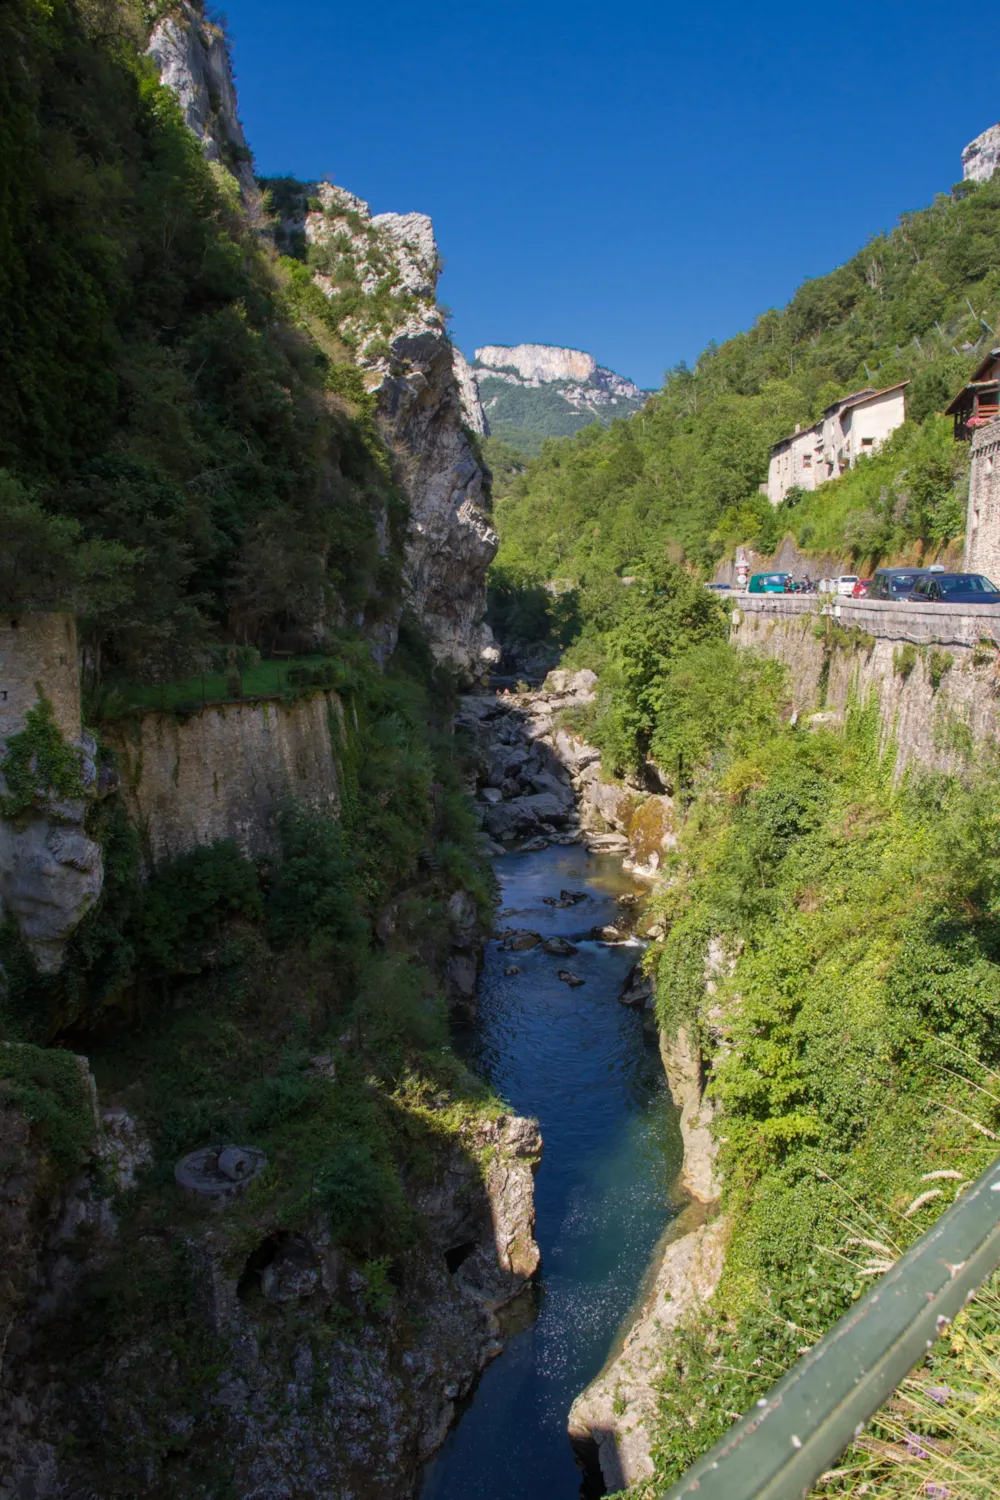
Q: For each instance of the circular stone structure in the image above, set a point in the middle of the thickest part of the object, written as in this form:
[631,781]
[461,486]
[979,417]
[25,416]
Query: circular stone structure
[219,1173]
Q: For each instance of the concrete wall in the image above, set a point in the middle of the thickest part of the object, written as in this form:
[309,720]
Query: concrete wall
[933,725]
[224,772]
[982,522]
[38,649]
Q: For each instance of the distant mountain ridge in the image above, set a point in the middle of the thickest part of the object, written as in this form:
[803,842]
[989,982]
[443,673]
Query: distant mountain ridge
[524,393]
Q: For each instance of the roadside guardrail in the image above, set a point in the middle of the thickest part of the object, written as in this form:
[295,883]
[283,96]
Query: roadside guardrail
[780,1448]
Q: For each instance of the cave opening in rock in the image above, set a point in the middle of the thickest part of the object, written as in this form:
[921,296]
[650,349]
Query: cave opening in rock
[587,1453]
[256,1262]
[454,1257]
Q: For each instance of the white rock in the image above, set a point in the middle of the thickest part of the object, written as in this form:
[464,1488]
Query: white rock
[980,157]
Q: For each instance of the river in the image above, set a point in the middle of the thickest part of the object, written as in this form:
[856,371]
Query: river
[582,1065]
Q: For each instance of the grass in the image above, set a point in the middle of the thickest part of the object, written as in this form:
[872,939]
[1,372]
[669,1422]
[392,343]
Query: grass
[268,679]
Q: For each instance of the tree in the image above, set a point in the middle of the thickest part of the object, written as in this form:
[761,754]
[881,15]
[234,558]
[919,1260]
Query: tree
[45,562]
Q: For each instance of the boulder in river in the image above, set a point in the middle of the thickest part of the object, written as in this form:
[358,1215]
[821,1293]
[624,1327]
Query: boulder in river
[637,991]
[534,846]
[511,969]
[559,947]
[572,898]
[609,934]
[521,940]
[567,977]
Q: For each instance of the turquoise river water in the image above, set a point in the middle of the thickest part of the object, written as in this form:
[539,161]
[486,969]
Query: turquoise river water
[581,1064]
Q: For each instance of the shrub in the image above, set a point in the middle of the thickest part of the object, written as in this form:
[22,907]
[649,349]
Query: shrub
[186,902]
[38,762]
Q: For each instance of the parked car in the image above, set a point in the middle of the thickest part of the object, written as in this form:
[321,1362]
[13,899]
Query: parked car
[895,583]
[719,588]
[955,588]
[767,583]
[845,584]
[860,589]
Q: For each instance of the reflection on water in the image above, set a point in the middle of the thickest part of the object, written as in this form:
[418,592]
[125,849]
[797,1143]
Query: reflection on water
[579,1062]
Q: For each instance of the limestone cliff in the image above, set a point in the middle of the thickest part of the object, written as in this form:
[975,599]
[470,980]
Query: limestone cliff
[50,870]
[980,157]
[611,1422]
[538,363]
[396,334]
[530,391]
[468,392]
[409,363]
[192,58]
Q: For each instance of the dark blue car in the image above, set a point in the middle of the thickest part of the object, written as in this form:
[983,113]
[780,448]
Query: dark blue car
[955,588]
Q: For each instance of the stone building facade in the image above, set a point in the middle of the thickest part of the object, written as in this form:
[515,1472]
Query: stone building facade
[38,654]
[848,428]
[982,522]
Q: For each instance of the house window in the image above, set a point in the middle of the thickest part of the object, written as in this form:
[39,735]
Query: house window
[867,442]
[807,462]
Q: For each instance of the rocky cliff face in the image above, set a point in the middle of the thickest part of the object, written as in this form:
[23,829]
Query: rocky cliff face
[397,335]
[305,1390]
[538,363]
[192,58]
[611,1423]
[178,781]
[980,157]
[548,391]
[468,391]
[409,363]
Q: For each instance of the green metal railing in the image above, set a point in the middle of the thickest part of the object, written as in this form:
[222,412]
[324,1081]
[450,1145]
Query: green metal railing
[796,1432]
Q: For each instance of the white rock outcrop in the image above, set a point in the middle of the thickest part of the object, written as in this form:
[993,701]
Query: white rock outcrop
[417,380]
[539,361]
[51,872]
[399,341]
[980,157]
[468,395]
[541,364]
[192,58]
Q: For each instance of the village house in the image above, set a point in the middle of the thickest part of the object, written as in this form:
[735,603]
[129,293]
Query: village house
[855,424]
[977,403]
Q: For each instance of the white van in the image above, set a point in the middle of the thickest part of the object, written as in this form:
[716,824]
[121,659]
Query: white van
[845,583]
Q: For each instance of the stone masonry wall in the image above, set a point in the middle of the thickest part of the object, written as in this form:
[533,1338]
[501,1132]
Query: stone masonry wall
[38,649]
[982,524]
[224,773]
[938,699]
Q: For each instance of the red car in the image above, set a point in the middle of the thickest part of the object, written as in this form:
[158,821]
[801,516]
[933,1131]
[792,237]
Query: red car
[861,588]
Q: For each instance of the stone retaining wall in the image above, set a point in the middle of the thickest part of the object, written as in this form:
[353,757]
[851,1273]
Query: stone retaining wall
[38,655]
[223,773]
[935,668]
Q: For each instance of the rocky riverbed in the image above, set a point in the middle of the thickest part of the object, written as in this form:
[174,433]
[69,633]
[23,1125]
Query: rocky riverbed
[540,781]
[541,788]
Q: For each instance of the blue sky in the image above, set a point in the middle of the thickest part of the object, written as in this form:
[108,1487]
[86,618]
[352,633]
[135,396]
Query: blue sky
[635,180]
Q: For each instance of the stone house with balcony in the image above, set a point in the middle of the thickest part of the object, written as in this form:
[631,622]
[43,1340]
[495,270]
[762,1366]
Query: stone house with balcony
[856,424]
[978,402]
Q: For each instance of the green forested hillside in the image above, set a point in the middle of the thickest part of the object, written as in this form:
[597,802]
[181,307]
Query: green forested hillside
[160,397]
[917,303]
[523,415]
